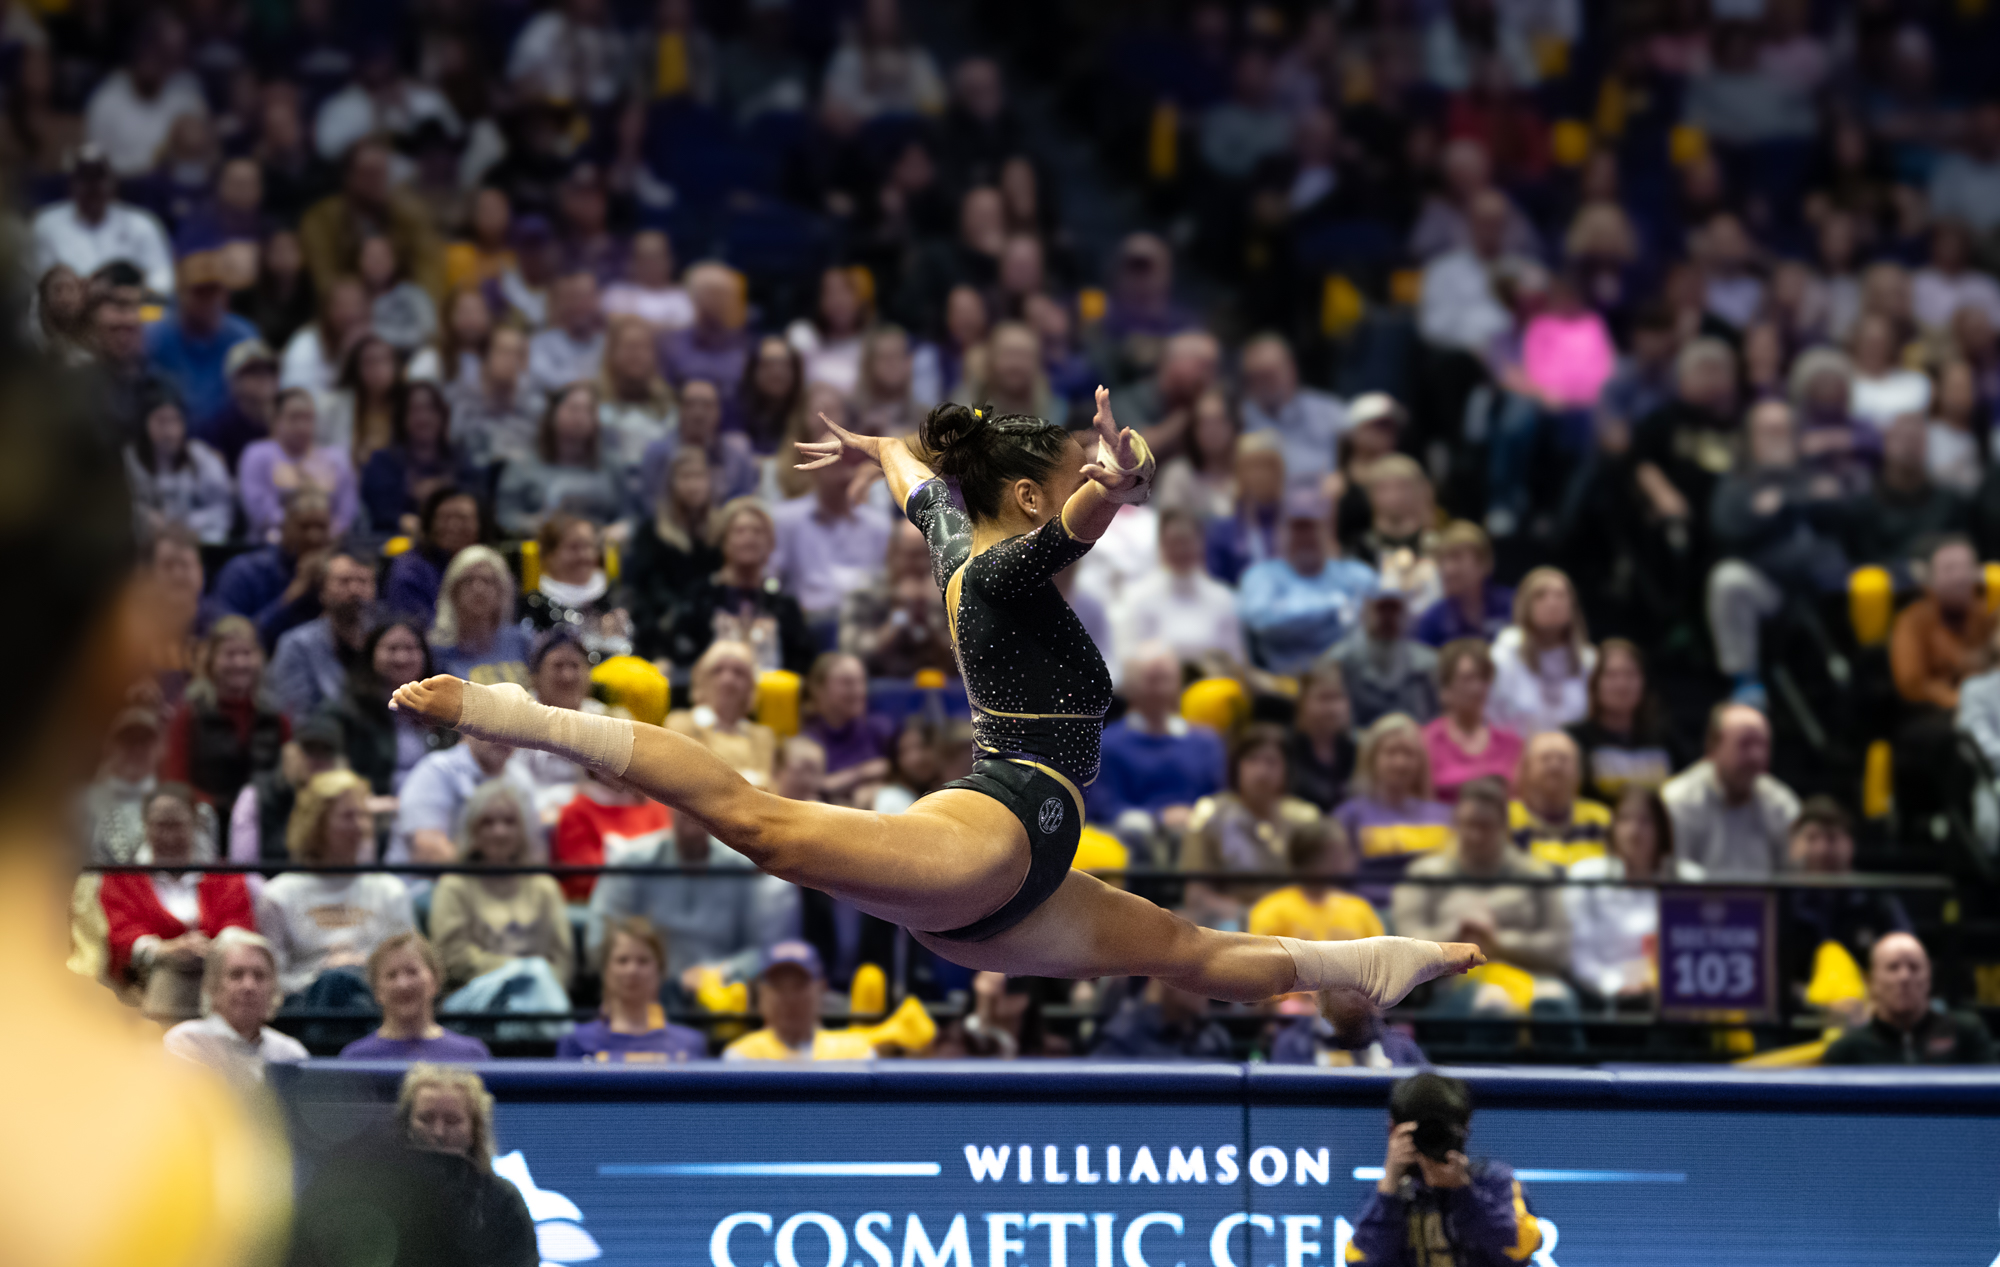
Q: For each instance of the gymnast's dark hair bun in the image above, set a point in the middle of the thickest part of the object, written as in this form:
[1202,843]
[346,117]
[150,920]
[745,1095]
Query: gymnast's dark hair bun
[986,452]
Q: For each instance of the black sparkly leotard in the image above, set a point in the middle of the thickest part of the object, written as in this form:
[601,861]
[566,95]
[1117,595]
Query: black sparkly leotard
[1038,687]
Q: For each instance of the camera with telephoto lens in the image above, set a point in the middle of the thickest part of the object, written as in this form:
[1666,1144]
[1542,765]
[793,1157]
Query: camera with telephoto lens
[1441,1107]
[1437,1139]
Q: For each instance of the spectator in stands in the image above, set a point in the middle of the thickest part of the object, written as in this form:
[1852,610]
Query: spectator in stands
[1315,909]
[381,102]
[1958,415]
[1965,184]
[1543,661]
[740,603]
[333,229]
[400,313]
[447,523]
[724,683]
[419,459]
[190,346]
[1519,926]
[1429,1192]
[671,551]
[1160,1023]
[1883,390]
[790,984]
[638,407]
[649,291]
[1548,819]
[1201,480]
[323,928]
[380,744]
[405,975]
[1179,604]
[440,1188]
[161,926]
[1830,440]
[1905,1028]
[1473,606]
[1731,818]
[1299,604]
[275,473]
[898,625]
[505,939]
[1905,509]
[239,993]
[1461,743]
[1254,529]
[114,803]
[601,822]
[176,478]
[715,346]
[1386,671]
[856,741]
[312,661]
[496,414]
[1142,310]
[571,468]
[1154,766]
[1828,932]
[1393,815]
[1168,402]
[827,546]
[1613,930]
[1320,753]
[916,767]
[634,1030]
[92,229]
[1684,447]
[1343,1033]
[1308,422]
[252,376]
[570,349]
[475,636]
[1460,307]
[227,728]
[430,806]
[1949,283]
[573,593]
[732,466]
[1938,640]
[1776,522]
[1623,740]
[130,113]
[314,354]
[1243,829]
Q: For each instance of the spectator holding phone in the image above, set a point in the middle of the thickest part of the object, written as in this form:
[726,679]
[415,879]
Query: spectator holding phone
[1432,1204]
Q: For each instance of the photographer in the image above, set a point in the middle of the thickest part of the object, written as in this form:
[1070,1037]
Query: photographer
[1432,1206]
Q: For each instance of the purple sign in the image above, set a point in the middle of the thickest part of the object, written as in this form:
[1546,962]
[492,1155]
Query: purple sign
[1718,954]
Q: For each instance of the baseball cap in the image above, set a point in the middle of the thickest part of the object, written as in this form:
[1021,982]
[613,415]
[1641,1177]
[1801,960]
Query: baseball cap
[798,953]
[1372,407]
[321,734]
[250,352]
[1307,503]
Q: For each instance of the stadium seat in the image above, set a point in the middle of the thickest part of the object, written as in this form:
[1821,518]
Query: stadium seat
[1219,703]
[777,703]
[636,686]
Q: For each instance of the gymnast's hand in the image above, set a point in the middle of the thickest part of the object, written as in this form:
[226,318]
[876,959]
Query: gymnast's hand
[841,440]
[1124,466]
[435,701]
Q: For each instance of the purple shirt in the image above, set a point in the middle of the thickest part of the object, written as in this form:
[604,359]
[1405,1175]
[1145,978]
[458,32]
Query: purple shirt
[670,1045]
[1388,838]
[1444,621]
[324,467]
[689,354]
[446,1046]
[863,739]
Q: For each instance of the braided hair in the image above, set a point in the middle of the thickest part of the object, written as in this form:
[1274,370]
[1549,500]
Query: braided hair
[985,452]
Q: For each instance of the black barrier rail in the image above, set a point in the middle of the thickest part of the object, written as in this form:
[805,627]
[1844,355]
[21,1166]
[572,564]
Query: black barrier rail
[1907,883]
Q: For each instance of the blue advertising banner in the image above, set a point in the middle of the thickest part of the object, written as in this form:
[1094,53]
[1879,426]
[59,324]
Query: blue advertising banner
[1236,1170]
[1718,953]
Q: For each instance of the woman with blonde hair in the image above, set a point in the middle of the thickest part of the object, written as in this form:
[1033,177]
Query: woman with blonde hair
[634,1029]
[885,397]
[406,974]
[739,603]
[1543,661]
[324,927]
[724,686]
[1394,815]
[227,728]
[468,1213]
[673,551]
[505,939]
[635,405]
[475,636]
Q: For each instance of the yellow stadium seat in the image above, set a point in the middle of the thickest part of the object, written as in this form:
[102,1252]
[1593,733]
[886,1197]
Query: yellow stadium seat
[636,686]
[531,565]
[395,546]
[1340,306]
[929,679]
[1795,1057]
[1686,144]
[1569,139]
[1836,978]
[1878,780]
[869,994]
[777,703]
[1992,575]
[1871,604]
[1091,305]
[1217,702]
[1163,143]
[909,1028]
[611,562]
[1100,851]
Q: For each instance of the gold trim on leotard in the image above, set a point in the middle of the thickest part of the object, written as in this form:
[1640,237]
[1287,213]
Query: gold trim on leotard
[1058,776]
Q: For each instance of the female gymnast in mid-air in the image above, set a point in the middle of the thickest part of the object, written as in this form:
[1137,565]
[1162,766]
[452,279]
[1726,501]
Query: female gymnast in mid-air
[979,870]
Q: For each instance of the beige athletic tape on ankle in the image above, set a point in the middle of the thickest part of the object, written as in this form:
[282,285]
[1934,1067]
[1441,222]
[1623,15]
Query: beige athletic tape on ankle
[1383,968]
[508,714]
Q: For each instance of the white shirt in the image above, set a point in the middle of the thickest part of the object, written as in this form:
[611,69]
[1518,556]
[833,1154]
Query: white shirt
[1548,696]
[557,358]
[354,112]
[1610,927]
[667,308]
[306,364]
[560,59]
[126,233]
[212,1041]
[1880,401]
[1194,615]
[131,128]
[1936,297]
[1729,840]
[1128,551]
[1457,307]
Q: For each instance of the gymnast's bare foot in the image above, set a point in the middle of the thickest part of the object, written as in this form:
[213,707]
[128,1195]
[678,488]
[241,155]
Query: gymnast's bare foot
[435,701]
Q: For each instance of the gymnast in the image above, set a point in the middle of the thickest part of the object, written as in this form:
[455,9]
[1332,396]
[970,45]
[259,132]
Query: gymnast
[979,870]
